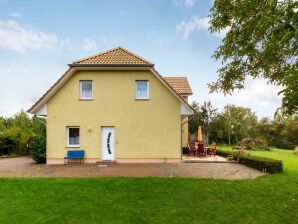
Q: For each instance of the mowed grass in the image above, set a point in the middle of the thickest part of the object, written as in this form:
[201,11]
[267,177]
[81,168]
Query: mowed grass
[270,199]
[290,160]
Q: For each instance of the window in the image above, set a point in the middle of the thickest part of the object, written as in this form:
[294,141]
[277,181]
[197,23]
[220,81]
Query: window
[86,90]
[73,136]
[142,90]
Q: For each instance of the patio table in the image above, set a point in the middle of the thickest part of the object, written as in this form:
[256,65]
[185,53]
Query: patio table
[206,150]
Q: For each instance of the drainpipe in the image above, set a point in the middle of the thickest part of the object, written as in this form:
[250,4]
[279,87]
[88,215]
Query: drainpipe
[36,116]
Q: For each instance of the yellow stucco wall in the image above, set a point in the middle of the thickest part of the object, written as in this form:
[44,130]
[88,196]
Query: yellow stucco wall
[144,129]
[184,120]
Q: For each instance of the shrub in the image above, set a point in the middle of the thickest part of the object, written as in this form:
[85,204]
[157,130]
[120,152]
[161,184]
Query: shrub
[256,162]
[261,163]
[224,153]
[38,148]
[240,152]
[251,144]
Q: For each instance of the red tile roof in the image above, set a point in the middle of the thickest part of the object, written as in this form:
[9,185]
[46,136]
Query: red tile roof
[115,56]
[179,84]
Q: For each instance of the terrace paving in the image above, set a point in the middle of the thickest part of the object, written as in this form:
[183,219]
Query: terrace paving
[25,167]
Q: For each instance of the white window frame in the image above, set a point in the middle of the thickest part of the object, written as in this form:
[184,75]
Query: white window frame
[67,137]
[148,87]
[86,98]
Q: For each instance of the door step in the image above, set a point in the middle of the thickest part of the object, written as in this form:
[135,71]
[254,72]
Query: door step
[106,162]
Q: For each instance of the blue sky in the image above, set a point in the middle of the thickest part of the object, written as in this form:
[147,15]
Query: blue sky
[39,38]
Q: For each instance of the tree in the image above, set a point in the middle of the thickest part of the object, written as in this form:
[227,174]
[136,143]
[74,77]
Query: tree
[219,129]
[208,112]
[241,122]
[195,120]
[262,41]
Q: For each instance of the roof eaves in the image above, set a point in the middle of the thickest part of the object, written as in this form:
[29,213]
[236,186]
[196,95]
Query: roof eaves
[174,91]
[48,91]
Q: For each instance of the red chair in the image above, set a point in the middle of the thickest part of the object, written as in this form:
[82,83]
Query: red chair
[201,150]
[213,149]
[192,150]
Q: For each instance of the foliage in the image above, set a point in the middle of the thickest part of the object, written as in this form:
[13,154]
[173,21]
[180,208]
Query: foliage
[38,147]
[195,121]
[16,132]
[281,132]
[261,41]
[208,112]
[240,122]
[224,153]
[252,144]
[203,116]
[235,123]
[260,163]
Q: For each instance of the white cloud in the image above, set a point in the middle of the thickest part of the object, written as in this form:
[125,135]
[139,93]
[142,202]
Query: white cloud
[189,3]
[257,94]
[15,14]
[89,44]
[186,28]
[160,42]
[18,37]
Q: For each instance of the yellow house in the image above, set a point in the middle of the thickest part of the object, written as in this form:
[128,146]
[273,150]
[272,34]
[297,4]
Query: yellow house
[116,107]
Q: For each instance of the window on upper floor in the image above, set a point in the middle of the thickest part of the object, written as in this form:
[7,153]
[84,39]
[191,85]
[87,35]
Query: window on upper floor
[73,136]
[86,90]
[142,89]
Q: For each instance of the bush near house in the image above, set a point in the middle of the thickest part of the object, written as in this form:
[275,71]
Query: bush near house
[260,163]
[16,132]
[38,148]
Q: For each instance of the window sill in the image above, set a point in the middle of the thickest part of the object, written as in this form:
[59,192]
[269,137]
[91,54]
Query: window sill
[142,99]
[85,99]
[73,146]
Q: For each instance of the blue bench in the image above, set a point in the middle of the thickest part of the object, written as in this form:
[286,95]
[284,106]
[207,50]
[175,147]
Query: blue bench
[75,154]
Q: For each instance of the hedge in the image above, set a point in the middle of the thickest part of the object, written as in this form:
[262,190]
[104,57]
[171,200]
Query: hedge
[260,163]
[224,153]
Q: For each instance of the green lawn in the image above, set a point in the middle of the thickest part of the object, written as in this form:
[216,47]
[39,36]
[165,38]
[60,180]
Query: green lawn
[270,199]
[290,160]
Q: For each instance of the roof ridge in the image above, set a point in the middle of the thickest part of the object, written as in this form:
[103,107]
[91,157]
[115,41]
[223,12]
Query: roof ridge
[95,55]
[137,56]
[175,77]
[111,50]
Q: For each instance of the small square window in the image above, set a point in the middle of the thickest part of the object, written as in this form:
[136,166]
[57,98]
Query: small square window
[86,90]
[73,136]
[142,90]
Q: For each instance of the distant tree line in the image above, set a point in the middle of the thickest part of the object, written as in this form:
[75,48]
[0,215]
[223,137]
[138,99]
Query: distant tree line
[235,123]
[17,132]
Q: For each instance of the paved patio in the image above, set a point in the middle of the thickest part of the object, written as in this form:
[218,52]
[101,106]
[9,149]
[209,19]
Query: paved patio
[205,159]
[24,167]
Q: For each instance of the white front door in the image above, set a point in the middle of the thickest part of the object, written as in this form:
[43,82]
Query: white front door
[107,143]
